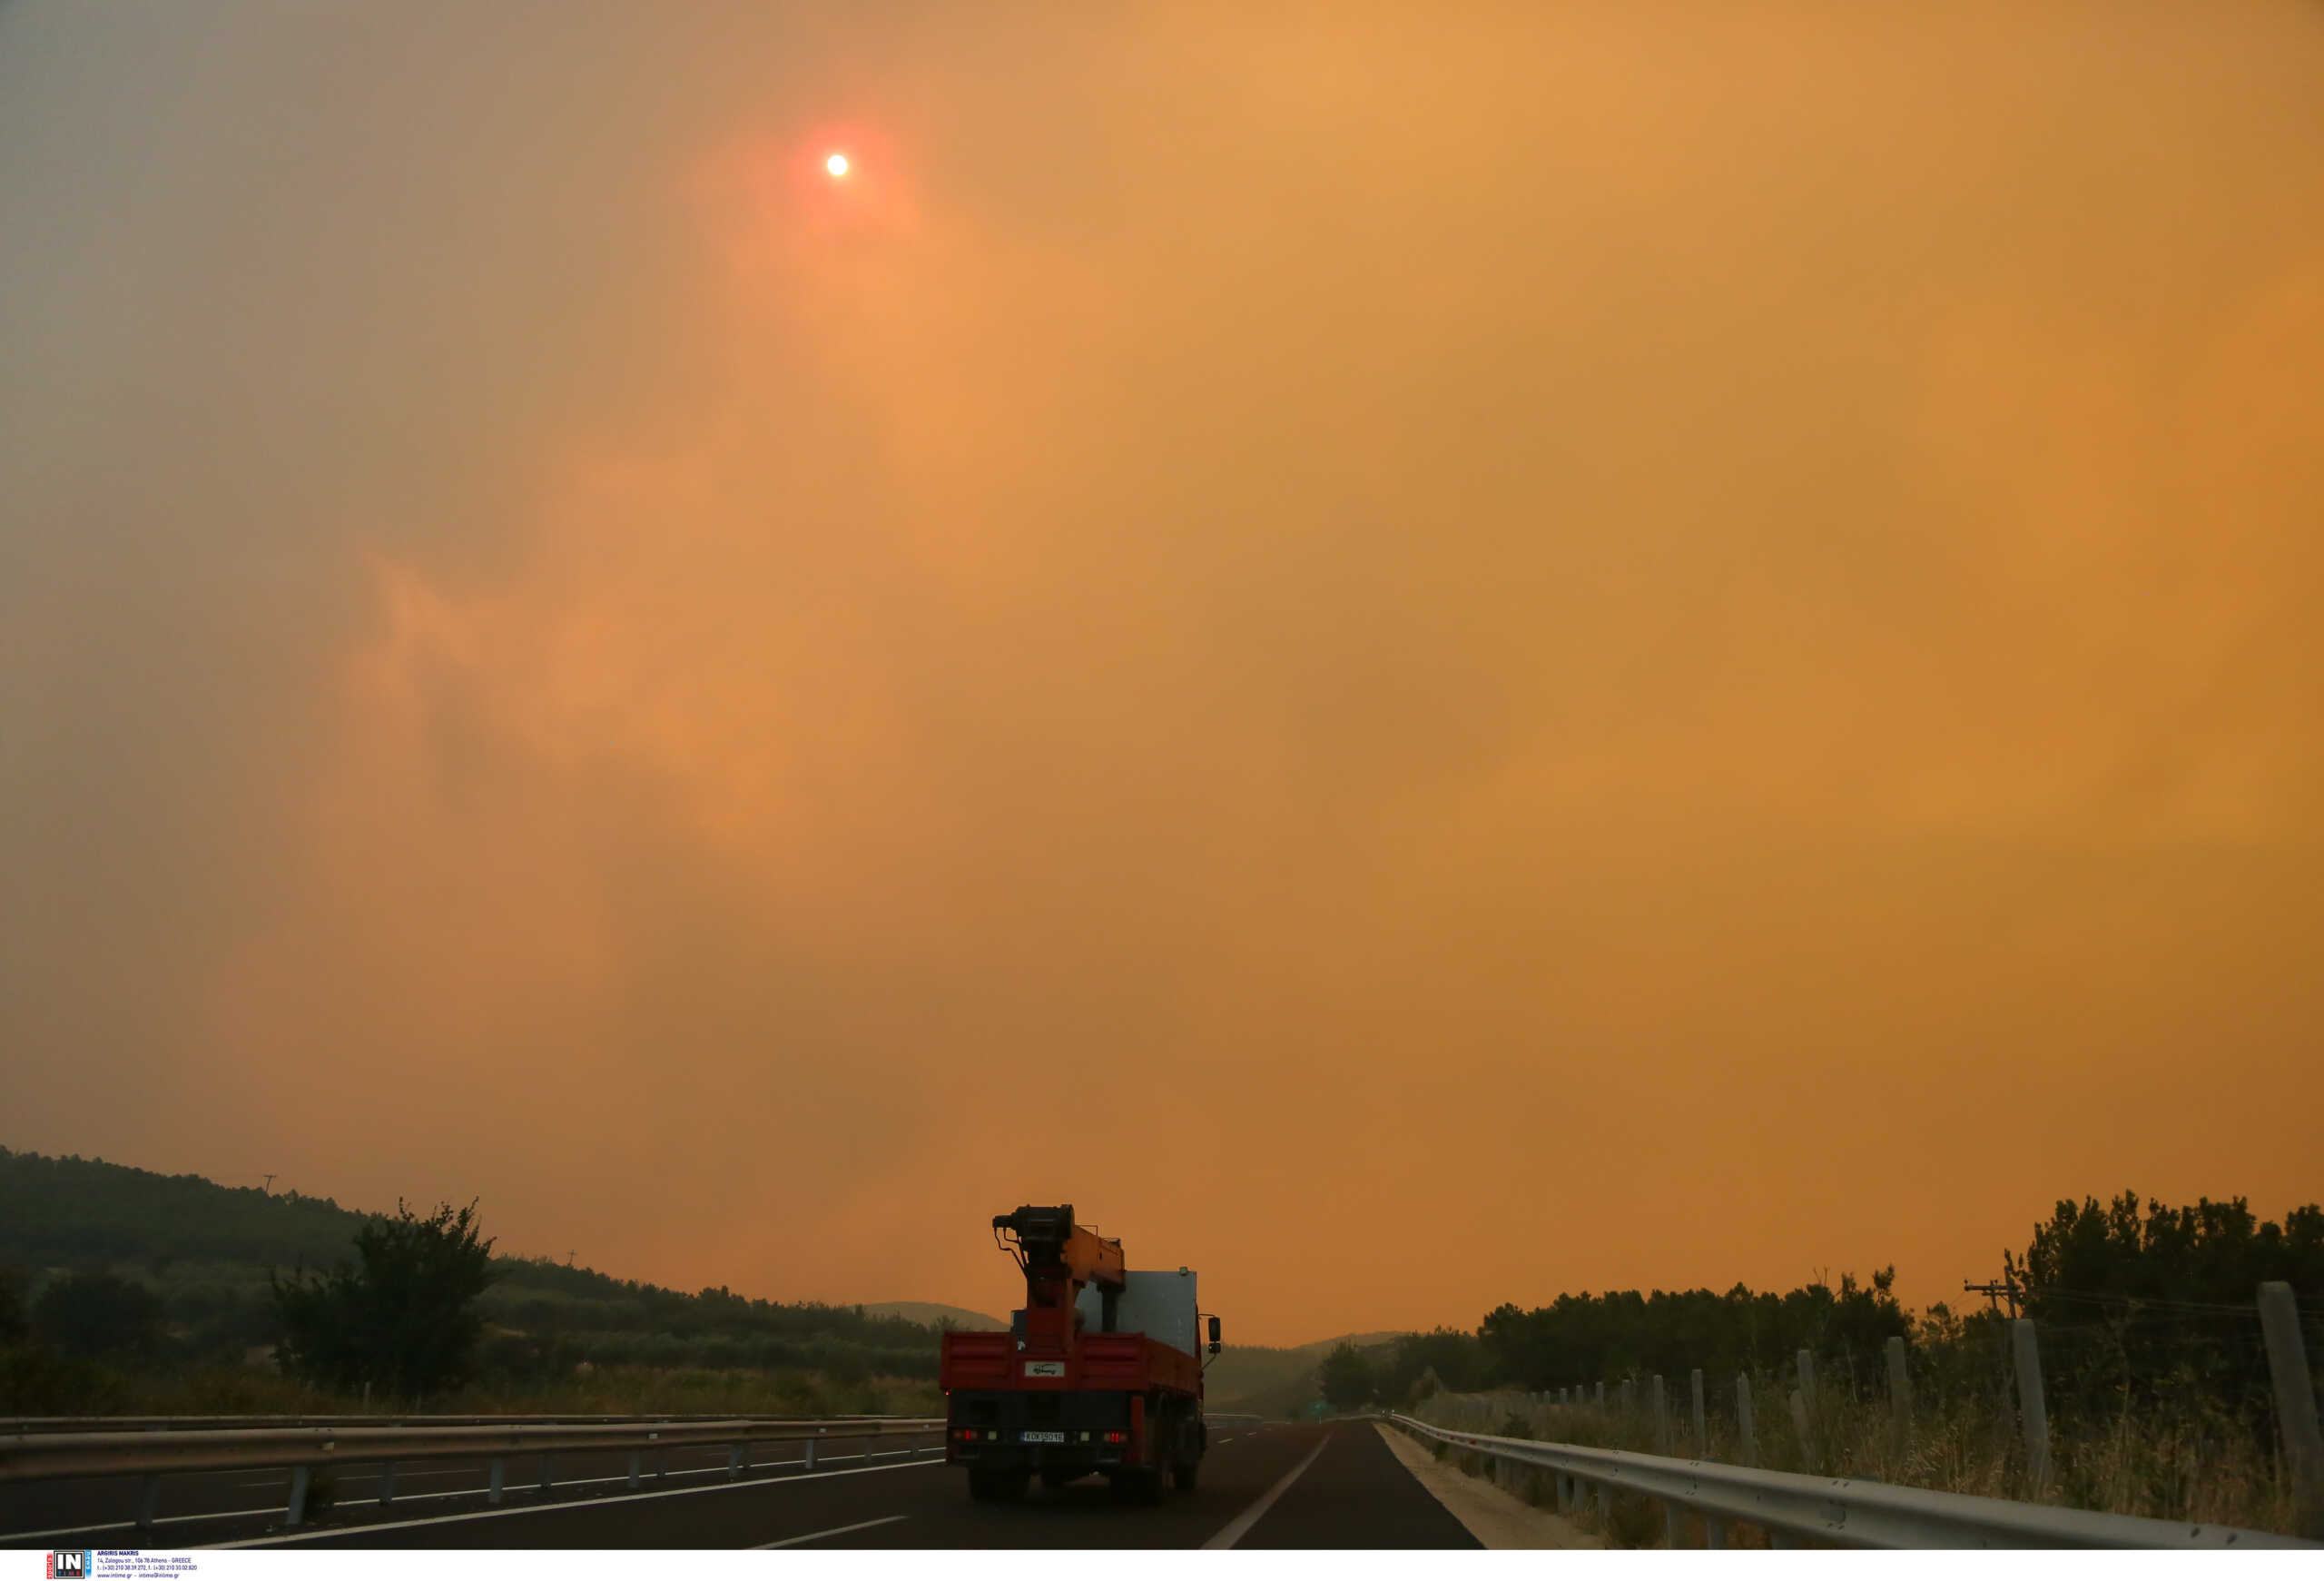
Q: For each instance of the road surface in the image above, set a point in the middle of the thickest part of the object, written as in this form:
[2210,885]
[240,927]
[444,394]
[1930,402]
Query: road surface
[1324,1486]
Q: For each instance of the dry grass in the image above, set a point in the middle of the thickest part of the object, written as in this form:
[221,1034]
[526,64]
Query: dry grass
[2184,1463]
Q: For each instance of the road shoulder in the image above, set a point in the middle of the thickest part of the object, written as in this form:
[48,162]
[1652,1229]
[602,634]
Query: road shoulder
[1493,1516]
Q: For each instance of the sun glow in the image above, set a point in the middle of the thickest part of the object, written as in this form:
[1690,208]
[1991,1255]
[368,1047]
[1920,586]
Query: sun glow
[836,164]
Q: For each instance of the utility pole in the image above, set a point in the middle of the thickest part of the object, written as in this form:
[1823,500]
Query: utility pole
[2004,1289]
[268,1189]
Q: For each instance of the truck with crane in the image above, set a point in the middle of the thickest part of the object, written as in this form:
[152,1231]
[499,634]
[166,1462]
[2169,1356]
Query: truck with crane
[1099,1372]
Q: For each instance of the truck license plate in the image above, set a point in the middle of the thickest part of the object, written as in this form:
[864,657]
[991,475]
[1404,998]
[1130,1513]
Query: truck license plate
[1044,1438]
[1045,1369]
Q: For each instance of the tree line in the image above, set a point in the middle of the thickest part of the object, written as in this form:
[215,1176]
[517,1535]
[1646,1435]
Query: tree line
[2133,1303]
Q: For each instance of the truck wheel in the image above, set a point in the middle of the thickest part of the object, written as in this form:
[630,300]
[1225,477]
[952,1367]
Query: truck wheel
[997,1486]
[1183,1475]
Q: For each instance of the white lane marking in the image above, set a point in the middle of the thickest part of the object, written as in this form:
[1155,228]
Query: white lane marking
[1234,1531]
[478,1515]
[835,1531]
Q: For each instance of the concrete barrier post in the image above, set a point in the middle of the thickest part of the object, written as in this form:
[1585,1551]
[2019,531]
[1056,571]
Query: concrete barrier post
[1673,1523]
[2033,1413]
[387,1485]
[1900,1394]
[633,1462]
[811,1455]
[1746,1432]
[2294,1391]
[295,1513]
[500,1479]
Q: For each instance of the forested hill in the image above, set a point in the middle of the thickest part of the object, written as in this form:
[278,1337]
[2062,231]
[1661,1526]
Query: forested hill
[71,1212]
[205,1249]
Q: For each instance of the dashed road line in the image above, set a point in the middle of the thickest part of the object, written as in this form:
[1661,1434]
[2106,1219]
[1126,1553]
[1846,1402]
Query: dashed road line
[835,1531]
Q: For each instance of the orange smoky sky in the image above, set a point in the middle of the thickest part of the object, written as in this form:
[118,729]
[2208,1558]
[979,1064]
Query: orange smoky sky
[1422,654]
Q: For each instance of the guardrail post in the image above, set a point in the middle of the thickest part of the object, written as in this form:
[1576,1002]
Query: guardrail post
[296,1513]
[1900,1393]
[734,1461]
[1601,1394]
[1800,1425]
[1714,1532]
[2295,1405]
[634,1458]
[387,1484]
[1702,1424]
[149,1500]
[2033,1413]
[810,1454]
[1746,1431]
[547,1484]
[499,1478]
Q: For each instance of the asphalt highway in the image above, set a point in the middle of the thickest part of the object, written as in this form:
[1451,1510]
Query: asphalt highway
[1326,1486]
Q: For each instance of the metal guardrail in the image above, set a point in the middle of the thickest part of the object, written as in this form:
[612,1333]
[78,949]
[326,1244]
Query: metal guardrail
[1851,1512]
[304,1449]
[12,1426]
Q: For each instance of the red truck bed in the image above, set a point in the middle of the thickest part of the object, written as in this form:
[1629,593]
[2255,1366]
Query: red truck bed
[1131,1362]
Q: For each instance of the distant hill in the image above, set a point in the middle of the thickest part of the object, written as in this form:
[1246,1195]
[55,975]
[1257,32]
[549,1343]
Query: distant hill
[1275,1381]
[934,1314]
[206,1249]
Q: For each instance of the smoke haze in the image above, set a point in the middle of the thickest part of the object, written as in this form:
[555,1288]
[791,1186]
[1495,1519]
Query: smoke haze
[1421,655]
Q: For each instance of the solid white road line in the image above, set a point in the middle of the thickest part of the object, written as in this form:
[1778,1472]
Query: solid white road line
[1234,1531]
[835,1531]
[761,1484]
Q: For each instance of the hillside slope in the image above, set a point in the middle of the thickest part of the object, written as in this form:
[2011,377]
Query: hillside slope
[1275,1381]
[935,1314]
[207,1250]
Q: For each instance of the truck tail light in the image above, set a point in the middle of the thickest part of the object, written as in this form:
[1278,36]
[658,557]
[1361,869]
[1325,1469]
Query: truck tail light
[1118,1438]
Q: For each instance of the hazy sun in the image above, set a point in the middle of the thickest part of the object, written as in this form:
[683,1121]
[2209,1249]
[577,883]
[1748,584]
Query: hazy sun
[836,164]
